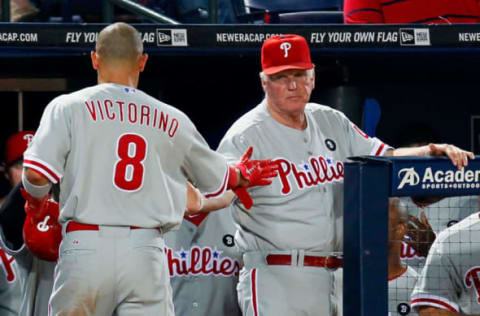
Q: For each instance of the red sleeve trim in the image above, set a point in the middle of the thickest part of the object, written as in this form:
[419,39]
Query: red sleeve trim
[380,149]
[222,188]
[419,301]
[45,171]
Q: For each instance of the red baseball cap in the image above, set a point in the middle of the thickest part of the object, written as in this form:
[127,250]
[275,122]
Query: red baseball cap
[16,145]
[282,52]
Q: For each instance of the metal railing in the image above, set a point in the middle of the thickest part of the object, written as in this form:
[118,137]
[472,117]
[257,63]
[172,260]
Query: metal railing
[109,8]
[153,16]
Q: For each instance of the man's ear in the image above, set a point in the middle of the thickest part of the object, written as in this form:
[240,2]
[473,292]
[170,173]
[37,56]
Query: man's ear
[142,62]
[94,57]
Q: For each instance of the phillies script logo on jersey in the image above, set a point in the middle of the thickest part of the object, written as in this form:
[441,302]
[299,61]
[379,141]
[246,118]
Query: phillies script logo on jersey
[7,265]
[472,279]
[201,261]
[316,171]
[408,252]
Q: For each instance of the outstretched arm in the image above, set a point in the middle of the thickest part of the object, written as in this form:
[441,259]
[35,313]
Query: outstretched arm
[197,203]
[459,157]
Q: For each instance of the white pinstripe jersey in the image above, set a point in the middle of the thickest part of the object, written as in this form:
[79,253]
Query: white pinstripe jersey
[122,157]
[303,207]
[450,278]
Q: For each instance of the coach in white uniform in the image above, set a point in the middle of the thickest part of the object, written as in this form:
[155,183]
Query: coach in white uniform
[291,236]
[122,159]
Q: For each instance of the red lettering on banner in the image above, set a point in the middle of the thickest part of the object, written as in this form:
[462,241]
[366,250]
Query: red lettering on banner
[472,279]
[316,171]
[7,263]
[201,261]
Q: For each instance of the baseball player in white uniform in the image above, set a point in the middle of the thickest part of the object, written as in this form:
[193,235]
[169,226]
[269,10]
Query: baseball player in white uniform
[437,217]
[401,278]
[28,281]
[32,277]
[122,159]
[204,264]
[449,283]
[290,239]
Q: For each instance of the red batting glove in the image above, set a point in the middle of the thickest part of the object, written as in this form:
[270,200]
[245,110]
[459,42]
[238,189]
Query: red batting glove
[256,172]
[34,207]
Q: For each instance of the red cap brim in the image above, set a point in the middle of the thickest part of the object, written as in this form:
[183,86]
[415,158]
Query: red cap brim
[273,70]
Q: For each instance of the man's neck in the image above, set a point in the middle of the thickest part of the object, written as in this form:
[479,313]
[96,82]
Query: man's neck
[121,78]
[395,265]
[293,120]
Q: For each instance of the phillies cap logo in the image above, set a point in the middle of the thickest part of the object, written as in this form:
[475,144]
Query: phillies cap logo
[286,47]
[28,138]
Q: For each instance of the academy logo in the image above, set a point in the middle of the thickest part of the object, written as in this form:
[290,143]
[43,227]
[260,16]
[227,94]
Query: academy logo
[438,179]
[409,176]
[172,37]
[414,37]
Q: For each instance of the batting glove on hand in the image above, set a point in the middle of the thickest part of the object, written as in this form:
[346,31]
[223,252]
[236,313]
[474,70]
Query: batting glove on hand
[34,207]
[42,233]
[252,173]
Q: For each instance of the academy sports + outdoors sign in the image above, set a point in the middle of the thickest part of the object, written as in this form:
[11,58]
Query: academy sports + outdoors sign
[434,176]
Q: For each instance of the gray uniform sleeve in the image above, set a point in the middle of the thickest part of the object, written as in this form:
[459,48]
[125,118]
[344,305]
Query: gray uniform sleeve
[232,148]
[206,168]
[51,143]
[360,143]
[436,286]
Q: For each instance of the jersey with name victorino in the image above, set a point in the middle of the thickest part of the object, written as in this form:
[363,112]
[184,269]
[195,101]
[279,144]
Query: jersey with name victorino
[147,143]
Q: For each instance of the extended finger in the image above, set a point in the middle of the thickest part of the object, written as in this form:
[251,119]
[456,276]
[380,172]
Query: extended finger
[415,220]
[246,156]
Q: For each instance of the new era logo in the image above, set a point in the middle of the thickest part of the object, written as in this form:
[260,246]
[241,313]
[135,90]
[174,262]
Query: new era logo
[172,37]
[162,37]
[415,37]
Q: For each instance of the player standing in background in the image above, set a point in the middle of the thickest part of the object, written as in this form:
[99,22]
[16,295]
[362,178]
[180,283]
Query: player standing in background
[429,216]
[122,159]
[449,283]
[204,263]
[428,221]
[291,238]
[401,278]
[12,216]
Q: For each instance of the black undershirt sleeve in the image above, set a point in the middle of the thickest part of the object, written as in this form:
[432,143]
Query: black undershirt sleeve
[12,217]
